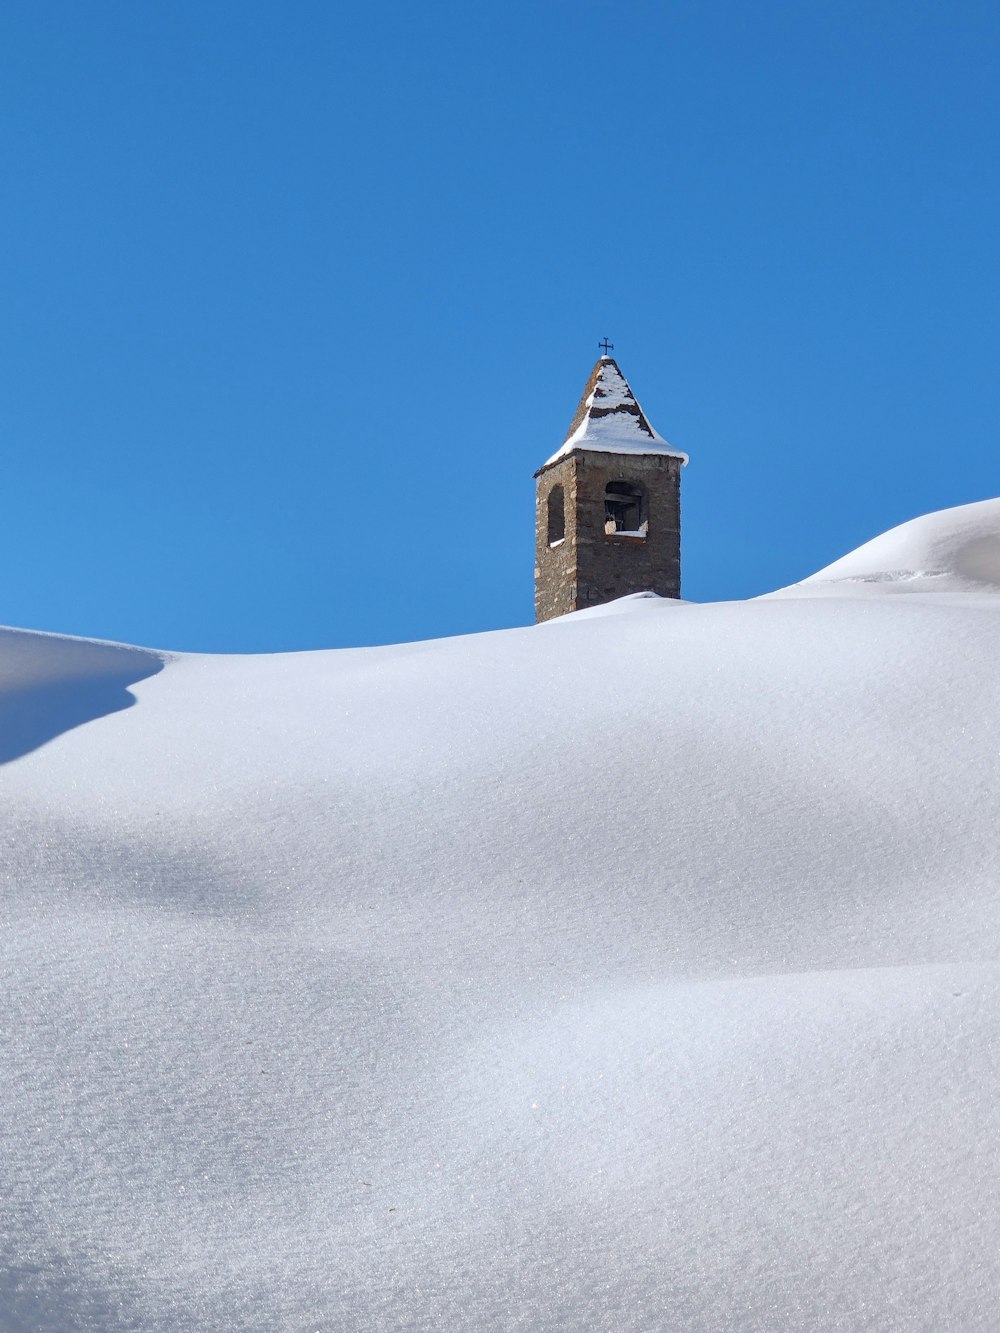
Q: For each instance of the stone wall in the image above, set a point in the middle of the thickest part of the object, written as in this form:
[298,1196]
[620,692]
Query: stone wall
[590,566]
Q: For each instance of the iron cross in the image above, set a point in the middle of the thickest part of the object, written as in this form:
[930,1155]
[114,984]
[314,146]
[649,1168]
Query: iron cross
[608,347]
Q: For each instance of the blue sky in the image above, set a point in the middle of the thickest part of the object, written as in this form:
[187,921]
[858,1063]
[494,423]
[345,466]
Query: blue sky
[297,297]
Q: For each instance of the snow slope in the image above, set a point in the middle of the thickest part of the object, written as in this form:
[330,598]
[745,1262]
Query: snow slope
[956,550]
[634,972]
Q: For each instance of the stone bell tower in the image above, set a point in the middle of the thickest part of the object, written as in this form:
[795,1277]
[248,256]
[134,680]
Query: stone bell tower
[608,507]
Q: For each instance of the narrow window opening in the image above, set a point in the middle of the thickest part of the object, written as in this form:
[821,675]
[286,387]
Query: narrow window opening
[557,515]
[624,509]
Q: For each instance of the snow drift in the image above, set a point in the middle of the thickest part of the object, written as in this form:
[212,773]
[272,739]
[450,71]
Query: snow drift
[49,684]
[956,550]
[635,972]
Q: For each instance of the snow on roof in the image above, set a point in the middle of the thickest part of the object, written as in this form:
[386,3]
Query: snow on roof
[610,419]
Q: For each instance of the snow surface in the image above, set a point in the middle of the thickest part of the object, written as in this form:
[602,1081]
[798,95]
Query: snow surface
[635,972]
[954,550]
[614,422]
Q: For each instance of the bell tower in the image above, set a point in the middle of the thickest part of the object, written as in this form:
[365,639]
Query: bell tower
[608,504]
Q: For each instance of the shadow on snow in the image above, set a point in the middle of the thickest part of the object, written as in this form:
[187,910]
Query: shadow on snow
[33,713]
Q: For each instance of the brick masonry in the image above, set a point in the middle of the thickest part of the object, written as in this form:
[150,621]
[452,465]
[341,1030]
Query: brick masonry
[589,566]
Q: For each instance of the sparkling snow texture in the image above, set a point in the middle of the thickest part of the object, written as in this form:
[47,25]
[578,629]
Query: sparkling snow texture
[635,973]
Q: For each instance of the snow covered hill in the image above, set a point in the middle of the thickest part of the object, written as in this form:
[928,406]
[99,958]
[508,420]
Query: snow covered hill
[956,550]
[637,971]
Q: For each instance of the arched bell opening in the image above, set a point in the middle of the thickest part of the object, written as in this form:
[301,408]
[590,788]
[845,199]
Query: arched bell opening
[625,509]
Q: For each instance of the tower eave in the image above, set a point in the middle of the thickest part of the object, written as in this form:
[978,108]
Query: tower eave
[625,450]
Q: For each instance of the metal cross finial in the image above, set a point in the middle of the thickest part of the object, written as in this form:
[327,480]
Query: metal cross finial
[608,347]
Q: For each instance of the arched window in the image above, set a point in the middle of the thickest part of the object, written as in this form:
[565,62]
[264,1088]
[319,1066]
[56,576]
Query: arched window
[557,515]
[625,508]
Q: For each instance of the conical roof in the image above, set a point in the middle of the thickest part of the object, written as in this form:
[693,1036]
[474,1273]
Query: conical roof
[610,419]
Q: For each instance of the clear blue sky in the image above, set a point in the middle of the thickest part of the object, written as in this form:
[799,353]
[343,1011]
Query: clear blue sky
[296,297]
